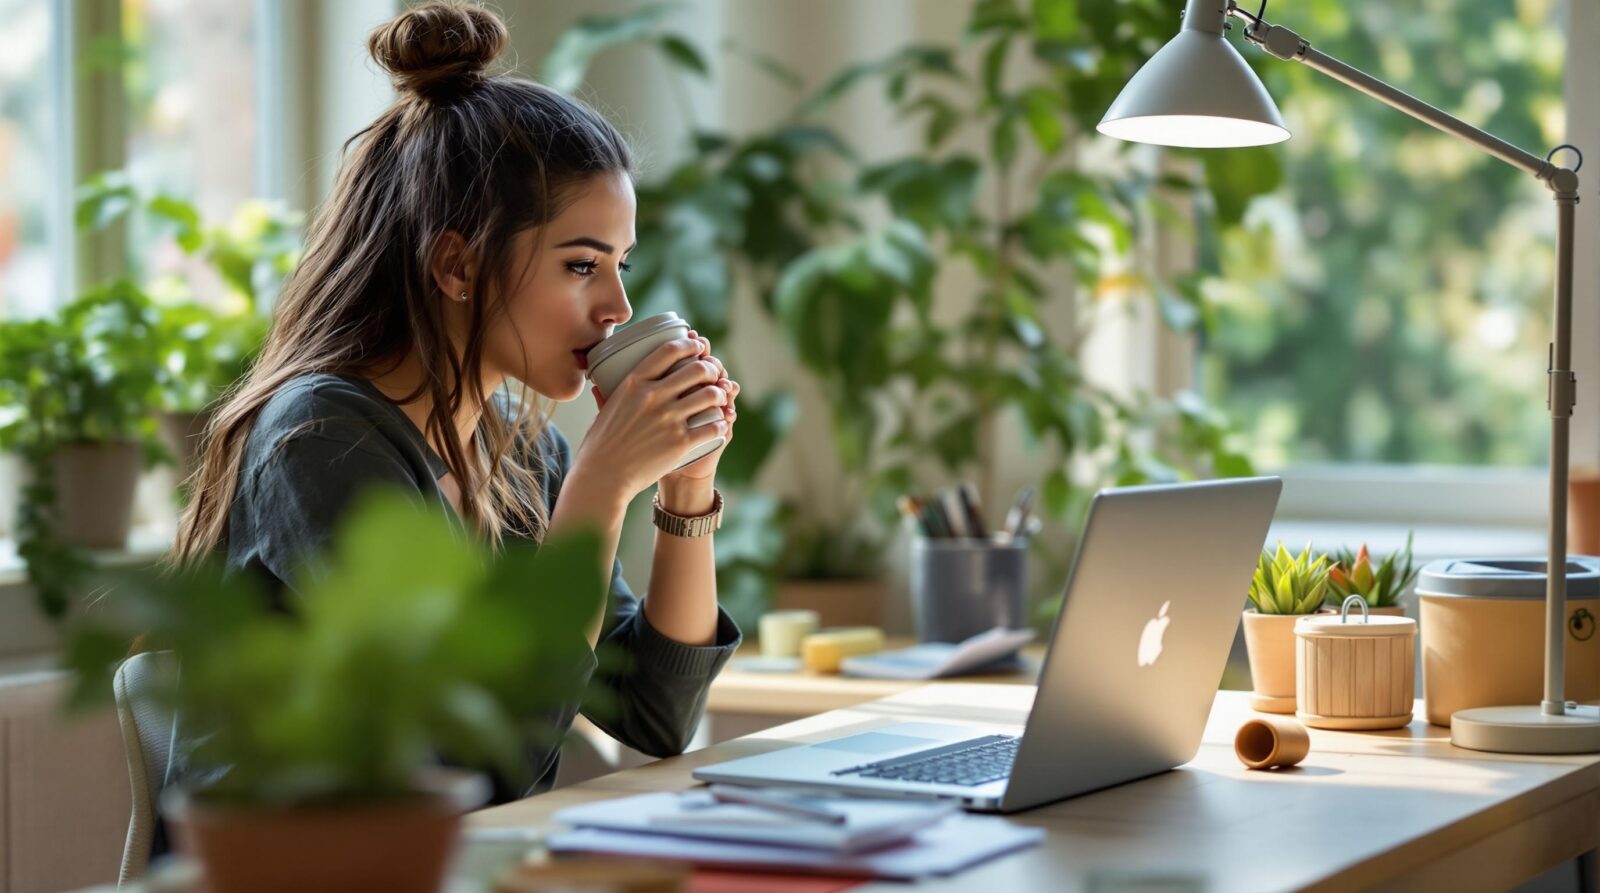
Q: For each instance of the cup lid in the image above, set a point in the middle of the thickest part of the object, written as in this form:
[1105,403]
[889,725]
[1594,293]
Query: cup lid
[1354,625]
[1505,578]
[630,334]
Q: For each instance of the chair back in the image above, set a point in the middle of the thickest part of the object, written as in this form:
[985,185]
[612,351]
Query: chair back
[148,735]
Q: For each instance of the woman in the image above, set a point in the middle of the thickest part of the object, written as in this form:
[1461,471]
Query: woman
[475,238]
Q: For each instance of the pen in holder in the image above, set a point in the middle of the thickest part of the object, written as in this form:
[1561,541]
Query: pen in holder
[962,587]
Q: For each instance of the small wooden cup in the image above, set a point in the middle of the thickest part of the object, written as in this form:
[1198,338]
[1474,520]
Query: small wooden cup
[1267,742]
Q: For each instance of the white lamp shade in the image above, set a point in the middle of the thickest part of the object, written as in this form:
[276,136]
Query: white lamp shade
[1197,92]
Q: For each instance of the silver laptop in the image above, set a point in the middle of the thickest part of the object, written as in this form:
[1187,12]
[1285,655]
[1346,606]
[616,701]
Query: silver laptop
[1127,682]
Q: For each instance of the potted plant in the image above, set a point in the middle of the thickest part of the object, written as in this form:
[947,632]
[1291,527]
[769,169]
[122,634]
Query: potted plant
[316,726]
[208,334]
[204,351]
[1284,588]
[79,391]
[968,308]
[1380,588]
[835,571]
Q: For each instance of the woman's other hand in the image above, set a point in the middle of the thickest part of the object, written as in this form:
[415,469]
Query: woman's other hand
[642,430]
[705,467]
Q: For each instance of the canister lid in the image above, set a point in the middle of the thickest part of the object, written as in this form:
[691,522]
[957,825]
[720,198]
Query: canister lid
[632,333]
[1354,625]
[1505,578]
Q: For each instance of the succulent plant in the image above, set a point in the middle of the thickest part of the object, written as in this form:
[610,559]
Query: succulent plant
[1290,584]
[1381,587]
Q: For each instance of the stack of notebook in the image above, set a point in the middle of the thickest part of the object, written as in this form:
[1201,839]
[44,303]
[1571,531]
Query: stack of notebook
[826,835]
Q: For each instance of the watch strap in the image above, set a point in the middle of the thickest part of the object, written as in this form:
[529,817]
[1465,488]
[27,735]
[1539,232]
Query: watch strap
[679,525]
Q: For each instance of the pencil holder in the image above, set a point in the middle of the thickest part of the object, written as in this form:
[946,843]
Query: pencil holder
[962,587]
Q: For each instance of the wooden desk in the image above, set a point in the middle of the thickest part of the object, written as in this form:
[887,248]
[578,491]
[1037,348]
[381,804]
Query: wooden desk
[1397,810]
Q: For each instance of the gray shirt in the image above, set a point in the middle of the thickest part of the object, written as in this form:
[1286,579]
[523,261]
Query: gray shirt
[323,439]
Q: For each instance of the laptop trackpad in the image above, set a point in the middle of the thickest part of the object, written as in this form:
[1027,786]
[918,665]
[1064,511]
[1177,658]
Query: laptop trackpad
[874,742]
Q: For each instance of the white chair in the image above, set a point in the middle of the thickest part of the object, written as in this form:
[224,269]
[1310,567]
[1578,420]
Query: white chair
[148,736]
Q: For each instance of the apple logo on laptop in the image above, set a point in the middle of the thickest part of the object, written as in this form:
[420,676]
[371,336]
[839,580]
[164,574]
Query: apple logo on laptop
[1150,640]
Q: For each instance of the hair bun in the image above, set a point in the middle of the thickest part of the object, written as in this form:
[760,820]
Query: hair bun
[438,48]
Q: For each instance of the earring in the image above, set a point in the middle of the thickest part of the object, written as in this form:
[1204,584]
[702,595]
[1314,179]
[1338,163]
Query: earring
[462,299]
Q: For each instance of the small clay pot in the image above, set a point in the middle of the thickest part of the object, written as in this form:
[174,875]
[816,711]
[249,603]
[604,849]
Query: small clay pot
[1269,642]
[1267,742]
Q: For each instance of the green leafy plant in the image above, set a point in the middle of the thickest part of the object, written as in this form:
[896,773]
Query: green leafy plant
[918,393]
[208,344]
[411,641]
[727,217]
[86,377]
[1353,574]
[1289,584]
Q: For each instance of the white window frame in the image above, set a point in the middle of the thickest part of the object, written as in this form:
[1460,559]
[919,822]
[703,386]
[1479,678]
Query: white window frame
[63,233]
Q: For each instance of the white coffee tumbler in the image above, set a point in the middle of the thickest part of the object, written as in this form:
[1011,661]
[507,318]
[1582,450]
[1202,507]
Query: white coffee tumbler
[611,360]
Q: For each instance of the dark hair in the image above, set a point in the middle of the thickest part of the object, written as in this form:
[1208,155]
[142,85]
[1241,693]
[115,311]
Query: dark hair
[463,151]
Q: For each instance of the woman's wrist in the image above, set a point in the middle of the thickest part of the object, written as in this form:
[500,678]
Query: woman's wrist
[687,497]
[592,500]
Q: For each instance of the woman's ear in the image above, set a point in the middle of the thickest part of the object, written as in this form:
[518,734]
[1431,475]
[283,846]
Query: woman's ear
[454,269]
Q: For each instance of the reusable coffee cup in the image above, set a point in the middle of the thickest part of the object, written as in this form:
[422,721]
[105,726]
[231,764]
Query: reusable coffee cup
[611,360]
[781,631]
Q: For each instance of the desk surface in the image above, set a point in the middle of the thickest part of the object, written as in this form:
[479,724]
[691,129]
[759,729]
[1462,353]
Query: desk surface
[1400,809]
[803,693]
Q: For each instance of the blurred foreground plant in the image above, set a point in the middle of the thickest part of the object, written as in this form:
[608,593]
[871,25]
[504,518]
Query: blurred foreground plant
[409,641]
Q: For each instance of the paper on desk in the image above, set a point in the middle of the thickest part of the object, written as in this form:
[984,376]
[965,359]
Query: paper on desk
[954,844]
[870,823]
[932,660]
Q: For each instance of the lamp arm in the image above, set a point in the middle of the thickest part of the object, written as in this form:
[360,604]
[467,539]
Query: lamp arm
[1283,43]
[1561,383]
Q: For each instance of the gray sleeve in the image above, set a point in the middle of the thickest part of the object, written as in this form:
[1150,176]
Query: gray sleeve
[650,690]
[299,493]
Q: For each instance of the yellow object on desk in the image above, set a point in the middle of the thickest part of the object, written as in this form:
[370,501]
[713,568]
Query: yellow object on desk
[823,652]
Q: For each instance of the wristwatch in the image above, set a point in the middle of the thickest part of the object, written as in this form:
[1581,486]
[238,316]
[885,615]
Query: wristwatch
[678,525]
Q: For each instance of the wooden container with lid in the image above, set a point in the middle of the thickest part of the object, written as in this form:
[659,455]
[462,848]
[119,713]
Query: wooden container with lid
[1355,674]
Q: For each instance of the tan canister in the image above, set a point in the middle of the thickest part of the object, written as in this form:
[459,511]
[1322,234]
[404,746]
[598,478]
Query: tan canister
[1483,633]
[1355,671]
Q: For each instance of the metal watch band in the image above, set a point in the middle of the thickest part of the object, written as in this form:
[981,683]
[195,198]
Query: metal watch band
[677,525]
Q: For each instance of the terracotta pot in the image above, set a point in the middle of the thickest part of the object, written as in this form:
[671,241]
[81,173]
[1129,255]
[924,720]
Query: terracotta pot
[181,431]
[95,486]
[1583,513]
[1269,641]
[402,845]
[857,602]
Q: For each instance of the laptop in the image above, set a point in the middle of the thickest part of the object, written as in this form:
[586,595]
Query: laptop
[1127,681]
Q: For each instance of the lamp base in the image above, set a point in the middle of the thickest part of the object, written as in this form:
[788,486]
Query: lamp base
[1526,729]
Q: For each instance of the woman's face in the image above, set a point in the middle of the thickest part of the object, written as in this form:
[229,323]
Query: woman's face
[570,294]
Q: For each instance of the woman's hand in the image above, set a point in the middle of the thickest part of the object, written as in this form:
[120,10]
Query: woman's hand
[643,430]
[705,467]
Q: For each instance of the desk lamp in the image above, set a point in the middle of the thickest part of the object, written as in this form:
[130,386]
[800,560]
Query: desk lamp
[1197,92]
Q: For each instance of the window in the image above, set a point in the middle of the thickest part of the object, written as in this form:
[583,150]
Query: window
[33,130]
[1389,303]
[190,78]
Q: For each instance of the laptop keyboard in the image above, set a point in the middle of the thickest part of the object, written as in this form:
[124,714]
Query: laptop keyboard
[968,763]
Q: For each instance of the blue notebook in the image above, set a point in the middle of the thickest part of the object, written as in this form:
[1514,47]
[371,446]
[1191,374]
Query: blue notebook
[932,660]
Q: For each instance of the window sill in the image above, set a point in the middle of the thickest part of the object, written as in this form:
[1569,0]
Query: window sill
[1432,541]
[145,545]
